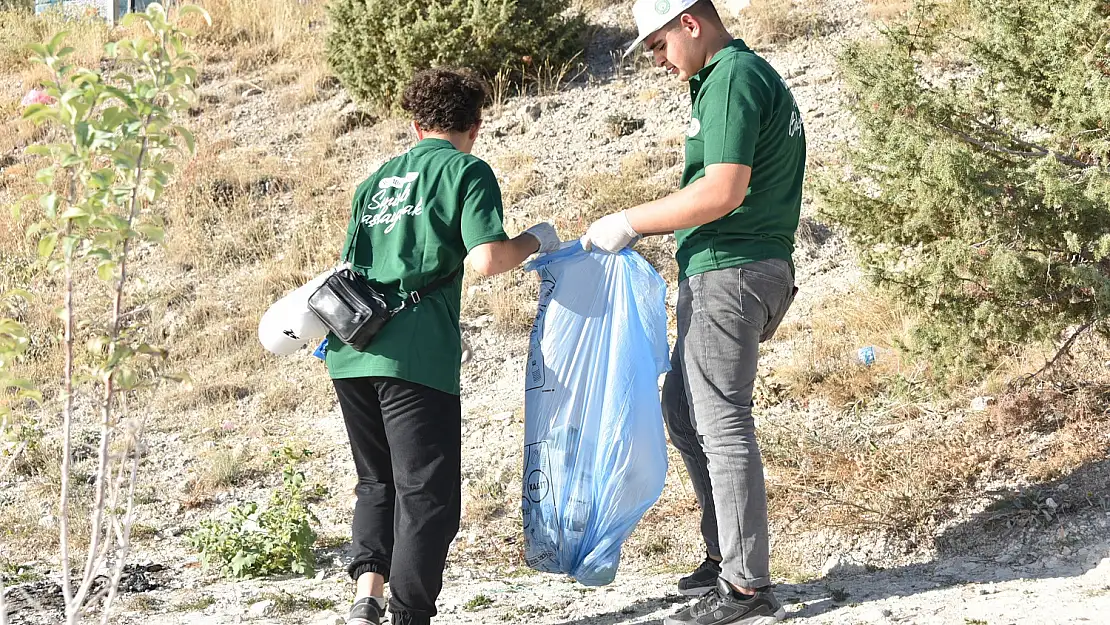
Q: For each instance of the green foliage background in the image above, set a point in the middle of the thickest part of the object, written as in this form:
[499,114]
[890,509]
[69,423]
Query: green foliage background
[375,46]
[983,199]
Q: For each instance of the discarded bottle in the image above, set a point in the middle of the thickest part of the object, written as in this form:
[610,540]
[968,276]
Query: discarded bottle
[866,355]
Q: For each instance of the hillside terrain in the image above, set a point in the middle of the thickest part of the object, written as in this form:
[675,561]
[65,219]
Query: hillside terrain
[889,503]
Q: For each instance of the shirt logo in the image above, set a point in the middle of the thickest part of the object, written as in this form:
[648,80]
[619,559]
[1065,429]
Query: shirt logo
[398,182]
[694,128]
[662,6]
[389,204]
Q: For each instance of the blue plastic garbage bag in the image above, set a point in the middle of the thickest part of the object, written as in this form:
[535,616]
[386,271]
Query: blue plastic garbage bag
[595,457]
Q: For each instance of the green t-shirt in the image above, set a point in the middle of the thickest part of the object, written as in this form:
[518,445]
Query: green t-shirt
[743,113]
[416,219]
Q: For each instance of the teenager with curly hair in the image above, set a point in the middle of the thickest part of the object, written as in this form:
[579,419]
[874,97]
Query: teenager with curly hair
[413,223]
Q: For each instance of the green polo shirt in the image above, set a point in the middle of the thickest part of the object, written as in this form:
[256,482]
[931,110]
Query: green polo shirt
[413,222]
[743,113]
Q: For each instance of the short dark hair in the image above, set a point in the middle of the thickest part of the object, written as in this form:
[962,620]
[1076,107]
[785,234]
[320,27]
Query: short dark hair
[445,100]
[703,9]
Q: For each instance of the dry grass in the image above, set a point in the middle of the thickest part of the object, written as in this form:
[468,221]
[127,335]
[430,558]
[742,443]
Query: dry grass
[777,21]
[487,498]
[636,182]
[888,10]
[250,31]
[823,347]
[509,298]
[19,29]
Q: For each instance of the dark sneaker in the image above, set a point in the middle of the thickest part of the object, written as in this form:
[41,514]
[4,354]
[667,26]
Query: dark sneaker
[702,580]
[723,606]
[366,611]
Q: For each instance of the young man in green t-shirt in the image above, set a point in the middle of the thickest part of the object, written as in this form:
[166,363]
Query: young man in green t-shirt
[414,222]
[734,221]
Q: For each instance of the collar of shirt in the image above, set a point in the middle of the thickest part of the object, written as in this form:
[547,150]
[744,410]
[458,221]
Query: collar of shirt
[697,80]
[433,142]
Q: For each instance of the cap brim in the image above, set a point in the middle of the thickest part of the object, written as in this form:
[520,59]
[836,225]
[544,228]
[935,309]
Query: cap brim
[635,44]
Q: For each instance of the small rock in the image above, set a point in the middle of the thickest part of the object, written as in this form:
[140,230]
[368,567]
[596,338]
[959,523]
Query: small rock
[531,111]
[842,565]
[172,531]
[327,617]
[979,404]
[262,608]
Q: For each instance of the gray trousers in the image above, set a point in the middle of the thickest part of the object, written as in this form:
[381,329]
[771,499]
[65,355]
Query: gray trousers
[723,315]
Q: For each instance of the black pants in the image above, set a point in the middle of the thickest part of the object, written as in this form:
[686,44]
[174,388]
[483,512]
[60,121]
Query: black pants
[407,445]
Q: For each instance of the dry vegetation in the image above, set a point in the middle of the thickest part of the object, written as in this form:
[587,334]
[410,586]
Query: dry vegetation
[245,226]
[768,22]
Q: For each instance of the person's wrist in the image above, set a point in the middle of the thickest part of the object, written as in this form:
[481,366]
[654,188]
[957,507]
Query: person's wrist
[539,244]
[629,215]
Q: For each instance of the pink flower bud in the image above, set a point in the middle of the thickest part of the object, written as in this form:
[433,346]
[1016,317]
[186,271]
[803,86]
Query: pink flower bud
[37,96]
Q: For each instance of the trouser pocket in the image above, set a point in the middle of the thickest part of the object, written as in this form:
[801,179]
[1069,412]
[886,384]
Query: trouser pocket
[773,322]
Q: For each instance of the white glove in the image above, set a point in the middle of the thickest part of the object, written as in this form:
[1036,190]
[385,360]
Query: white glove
[546,235]
[611,233]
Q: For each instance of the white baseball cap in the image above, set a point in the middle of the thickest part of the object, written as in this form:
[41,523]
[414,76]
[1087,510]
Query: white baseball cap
[651,15]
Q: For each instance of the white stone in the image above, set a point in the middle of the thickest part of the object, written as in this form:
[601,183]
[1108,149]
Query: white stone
[327,617]
[979,404]
[262,608]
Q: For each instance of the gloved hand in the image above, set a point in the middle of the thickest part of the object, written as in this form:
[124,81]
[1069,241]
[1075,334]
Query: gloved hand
[611,233]
[546,235]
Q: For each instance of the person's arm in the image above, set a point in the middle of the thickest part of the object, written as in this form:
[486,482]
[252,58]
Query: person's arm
[732,113]
[490,259]
[490,250]
[711,197]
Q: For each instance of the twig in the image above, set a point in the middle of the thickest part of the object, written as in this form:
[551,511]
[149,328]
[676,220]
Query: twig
[1034,150]
[67,427]
[125,536]
[1059,354]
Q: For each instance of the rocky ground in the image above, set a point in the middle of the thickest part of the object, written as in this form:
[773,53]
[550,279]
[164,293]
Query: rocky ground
[983,567]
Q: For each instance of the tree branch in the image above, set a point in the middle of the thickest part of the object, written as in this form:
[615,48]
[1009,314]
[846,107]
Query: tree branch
[1064,349]
[1032,151]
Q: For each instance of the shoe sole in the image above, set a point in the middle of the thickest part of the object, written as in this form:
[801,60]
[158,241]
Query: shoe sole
[758,620]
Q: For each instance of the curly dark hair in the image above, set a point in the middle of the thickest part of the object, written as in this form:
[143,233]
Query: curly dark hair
[445,100]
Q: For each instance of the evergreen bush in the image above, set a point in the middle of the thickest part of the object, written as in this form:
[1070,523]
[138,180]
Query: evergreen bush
[375,46]
[979,189]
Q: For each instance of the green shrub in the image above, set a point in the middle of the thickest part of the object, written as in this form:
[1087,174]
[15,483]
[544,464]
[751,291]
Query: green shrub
[273,541]
[16,5]
[375,46]
[981,196]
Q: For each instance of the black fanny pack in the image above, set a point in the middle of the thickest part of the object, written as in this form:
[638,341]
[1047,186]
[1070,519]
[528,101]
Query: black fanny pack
[353,310]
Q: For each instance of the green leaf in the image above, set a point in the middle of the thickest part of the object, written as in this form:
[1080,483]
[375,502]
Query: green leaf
[38,49]
[192,8]
[47,244]
[190,140]
[56,41]
[151,232]
[81,134]
[34,111]
[106,270]
[20,293]
[50,203]
[74,212]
